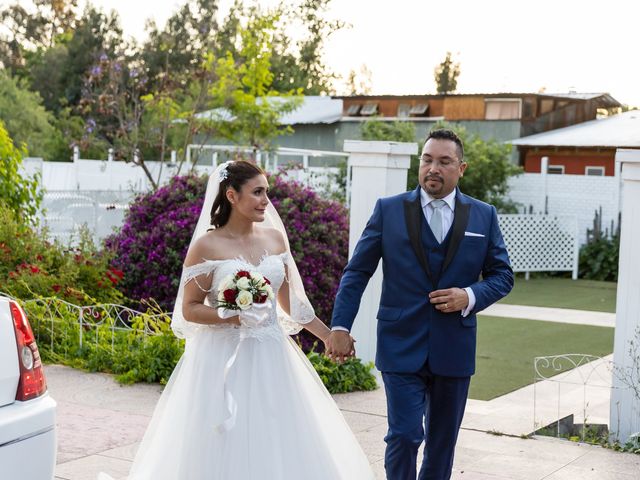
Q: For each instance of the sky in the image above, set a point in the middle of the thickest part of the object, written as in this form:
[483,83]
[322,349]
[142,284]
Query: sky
[502,46]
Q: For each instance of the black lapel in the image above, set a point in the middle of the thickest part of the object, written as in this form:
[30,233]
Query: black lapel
[413,217]
[460,221]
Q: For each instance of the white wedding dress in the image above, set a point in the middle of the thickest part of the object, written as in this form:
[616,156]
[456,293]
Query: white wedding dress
[286,425]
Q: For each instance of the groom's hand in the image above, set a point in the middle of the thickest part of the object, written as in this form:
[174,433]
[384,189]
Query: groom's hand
[339,346]
[449,300]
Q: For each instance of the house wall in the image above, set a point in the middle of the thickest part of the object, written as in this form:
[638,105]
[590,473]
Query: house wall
[574,160]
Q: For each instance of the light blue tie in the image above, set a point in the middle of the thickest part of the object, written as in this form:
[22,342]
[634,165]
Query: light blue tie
[436,219]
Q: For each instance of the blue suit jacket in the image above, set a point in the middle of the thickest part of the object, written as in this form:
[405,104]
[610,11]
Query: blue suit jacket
[410,329]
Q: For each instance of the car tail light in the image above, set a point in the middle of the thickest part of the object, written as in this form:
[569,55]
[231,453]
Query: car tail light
[32,383]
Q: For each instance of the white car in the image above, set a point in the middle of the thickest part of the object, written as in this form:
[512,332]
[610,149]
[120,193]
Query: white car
[27,412]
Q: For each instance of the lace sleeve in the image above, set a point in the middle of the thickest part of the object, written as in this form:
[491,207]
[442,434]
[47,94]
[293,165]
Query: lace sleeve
[194,271]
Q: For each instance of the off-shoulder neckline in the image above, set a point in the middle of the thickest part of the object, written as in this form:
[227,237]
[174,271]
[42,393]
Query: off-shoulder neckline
[239,258]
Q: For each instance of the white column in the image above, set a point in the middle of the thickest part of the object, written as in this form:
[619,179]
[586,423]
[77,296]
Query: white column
[625,407]
[379,169]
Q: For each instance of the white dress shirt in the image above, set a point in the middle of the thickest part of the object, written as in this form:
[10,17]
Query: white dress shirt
[447,211]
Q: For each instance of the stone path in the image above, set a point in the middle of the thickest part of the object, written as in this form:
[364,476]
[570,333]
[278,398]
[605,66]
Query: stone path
[100,422]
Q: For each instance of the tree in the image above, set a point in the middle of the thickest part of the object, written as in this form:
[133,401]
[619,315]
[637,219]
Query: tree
[33,28]
[175,53]
[295,65]
[249,109]
[20,194]
[25,119]
[446,75]
[359,83]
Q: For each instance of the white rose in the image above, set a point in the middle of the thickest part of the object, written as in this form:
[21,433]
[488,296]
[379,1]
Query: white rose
[243,283]
[227,283]
[257,277]
[244,300]
[269,291]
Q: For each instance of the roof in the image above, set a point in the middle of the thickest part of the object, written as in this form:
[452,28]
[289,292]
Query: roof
[622,130]
[314,109]
[606,100]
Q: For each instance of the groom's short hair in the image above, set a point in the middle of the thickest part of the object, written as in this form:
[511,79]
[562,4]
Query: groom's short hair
[446,134]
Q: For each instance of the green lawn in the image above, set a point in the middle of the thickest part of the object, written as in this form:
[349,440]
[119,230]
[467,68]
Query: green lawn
[507,346]
[564,293]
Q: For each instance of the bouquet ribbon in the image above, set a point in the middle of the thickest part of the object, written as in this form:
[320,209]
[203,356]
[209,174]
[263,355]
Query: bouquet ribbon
[251,318]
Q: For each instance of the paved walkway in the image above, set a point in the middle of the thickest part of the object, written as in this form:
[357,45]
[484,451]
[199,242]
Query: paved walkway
[559,315]
[100,422]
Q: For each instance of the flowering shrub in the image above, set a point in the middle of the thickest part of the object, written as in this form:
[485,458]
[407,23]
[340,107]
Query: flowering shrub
[318,231]
[31,266]
[151,245]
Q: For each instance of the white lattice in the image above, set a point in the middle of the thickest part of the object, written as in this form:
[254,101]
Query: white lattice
[538,243]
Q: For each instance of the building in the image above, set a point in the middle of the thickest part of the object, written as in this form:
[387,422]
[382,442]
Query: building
[585,149]
[323,123]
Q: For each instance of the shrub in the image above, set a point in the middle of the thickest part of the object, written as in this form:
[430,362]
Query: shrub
[318,232]
[18,193]
[599,259]
[135,357]
[31,266]
[350,376]
[151,245]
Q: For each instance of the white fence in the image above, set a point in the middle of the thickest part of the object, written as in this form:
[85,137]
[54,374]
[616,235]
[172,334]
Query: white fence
[576,195]
[97,193]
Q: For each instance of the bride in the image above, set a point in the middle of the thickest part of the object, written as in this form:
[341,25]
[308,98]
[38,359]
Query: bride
[244,403]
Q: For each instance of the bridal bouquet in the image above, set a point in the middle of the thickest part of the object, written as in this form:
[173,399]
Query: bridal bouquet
[243,290]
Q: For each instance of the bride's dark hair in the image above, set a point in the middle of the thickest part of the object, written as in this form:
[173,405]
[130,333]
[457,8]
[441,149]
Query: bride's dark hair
[238,173]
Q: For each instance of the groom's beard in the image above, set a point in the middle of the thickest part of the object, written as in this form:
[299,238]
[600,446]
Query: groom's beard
[439,184]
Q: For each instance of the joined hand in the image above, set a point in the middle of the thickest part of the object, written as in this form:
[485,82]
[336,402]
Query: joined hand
[339,346]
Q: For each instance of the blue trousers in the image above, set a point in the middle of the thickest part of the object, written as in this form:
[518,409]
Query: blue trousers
[421,407]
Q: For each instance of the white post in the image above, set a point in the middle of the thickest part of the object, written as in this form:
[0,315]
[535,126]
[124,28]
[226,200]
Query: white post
[174,157]
[76,164]
[544,171]
[379,169]
[625,407]
[110,155]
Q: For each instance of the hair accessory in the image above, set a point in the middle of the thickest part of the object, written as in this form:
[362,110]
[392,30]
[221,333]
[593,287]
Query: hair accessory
[224,173]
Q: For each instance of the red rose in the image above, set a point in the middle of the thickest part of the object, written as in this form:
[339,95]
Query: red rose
[243,273]
[230,295]
[262,298]
[56,288]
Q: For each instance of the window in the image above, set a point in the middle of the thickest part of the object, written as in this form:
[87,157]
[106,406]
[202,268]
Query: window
[595,171]
[403,110]
[419,109]
[555,169]
[369,109]
[353,110]
[502,109]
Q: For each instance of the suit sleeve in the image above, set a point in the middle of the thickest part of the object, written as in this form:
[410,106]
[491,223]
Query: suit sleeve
[358,271]
[497,275]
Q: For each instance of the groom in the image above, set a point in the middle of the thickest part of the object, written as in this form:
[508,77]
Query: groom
[443,260]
